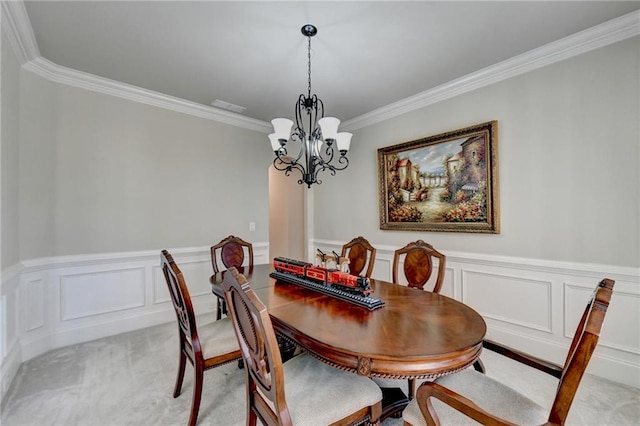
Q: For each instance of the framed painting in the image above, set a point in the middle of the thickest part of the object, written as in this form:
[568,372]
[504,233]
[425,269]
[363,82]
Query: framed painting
[446,182]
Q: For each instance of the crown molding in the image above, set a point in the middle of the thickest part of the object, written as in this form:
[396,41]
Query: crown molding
[16,25]
[607,33]
[71,77]
[17,28]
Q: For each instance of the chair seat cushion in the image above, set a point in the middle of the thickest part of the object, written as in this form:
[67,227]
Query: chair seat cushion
[487,393]
[218,338]
[318,394]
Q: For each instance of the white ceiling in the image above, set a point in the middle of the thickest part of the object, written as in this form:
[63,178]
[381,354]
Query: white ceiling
[366,54]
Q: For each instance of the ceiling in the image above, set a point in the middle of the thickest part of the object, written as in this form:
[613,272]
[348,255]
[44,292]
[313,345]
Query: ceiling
[366,55]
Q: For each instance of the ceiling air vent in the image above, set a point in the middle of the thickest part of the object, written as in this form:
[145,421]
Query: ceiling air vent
[228,106]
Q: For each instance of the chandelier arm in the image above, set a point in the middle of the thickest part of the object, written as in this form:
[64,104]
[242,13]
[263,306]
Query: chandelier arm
[319,108]
[342,163]
[342,160]
[329,153]
[312,111]
[291,168]
[300,106]
[333,167]
[321,169]
[285,167]
[282,154]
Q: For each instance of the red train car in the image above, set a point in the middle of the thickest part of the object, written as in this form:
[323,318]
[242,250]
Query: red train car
[331,277]
[291,266]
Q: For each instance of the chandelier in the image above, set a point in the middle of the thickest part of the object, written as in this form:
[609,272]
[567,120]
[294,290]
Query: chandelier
[314,140]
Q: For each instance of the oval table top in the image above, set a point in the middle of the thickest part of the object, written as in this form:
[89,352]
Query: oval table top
[416,334]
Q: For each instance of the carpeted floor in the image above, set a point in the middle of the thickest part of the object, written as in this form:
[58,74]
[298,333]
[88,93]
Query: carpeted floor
[128,380]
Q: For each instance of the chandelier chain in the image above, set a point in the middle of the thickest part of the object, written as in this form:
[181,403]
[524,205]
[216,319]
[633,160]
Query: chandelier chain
[309,63]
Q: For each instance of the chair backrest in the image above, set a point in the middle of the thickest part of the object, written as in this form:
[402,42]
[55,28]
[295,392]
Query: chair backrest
[582,346]
[360,253]
[259,346]
[181,302]
[232,253]
[418,265]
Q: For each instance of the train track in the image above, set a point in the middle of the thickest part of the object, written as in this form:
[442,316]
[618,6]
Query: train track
[368,302]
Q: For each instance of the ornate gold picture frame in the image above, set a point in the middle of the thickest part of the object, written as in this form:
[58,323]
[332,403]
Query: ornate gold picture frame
[446,182]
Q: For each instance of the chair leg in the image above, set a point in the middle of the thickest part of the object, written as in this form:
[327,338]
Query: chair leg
[180,376]
[218,309]
[221,308]
[412,388]
[479,366]
[197,393]
[252,417]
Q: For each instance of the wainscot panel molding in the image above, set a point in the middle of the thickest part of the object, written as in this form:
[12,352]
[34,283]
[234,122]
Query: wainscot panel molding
[534,305]
[10,352]
[48,303]
[522,301]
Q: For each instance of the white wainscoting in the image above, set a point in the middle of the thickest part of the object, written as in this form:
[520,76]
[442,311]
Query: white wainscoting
[529,304]
[535,305]
[55,302]
[9,344]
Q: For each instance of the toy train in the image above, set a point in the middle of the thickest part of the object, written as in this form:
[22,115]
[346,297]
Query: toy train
[330,277]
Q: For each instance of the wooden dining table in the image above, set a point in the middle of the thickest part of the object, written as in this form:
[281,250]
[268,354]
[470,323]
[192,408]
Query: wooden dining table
[416,334]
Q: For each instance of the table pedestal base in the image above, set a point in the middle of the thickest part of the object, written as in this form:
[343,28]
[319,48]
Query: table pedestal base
[393,402]
[287,347]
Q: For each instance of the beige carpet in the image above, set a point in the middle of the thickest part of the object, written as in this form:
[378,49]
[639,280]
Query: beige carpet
[128,380]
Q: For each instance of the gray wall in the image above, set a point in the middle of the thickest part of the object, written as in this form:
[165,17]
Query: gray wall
[131,177]
[569,151]
[9,155]
[100,174]
[37,165]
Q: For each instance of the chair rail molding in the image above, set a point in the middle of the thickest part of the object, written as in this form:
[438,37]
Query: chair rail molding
[534,304]
[51,302]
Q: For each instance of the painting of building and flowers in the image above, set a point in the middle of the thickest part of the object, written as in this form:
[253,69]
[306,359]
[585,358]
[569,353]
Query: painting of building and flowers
[441,181]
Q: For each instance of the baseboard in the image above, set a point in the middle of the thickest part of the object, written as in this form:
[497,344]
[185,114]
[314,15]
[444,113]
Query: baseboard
[10,366]
[602,365]
[33,346]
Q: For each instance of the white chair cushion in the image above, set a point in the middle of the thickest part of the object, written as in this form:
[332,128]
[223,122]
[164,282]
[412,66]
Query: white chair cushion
[318,394]
[218,338]
[485,392]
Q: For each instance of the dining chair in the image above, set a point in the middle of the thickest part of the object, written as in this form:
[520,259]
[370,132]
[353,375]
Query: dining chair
[301,391]
[361,254]
[467,396]
[207,347]
[418,265]
[231,251]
